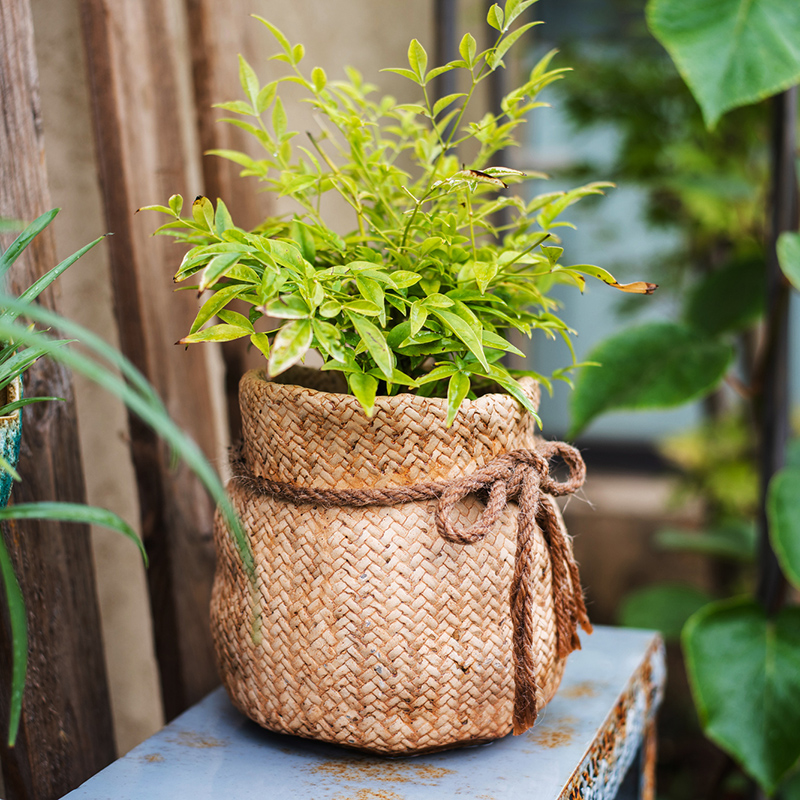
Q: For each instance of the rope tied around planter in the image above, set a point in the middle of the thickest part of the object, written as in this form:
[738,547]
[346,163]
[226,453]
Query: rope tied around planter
[521,476]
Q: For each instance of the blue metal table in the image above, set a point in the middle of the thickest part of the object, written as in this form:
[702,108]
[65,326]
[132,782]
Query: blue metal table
[594,740]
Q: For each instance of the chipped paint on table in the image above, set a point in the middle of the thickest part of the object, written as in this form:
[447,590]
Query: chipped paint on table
[584,742]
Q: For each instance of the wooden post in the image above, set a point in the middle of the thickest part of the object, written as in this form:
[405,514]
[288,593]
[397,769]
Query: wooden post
[143,115]
[215,73]
[66,732]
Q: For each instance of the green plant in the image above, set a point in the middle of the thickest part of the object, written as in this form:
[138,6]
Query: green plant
[20,345]
[421,293]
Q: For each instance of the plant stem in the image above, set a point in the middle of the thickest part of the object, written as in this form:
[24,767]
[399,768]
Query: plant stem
[471,225]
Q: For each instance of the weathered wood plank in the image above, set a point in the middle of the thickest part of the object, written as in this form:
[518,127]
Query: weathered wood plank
[215,75]
[66,733]
[142,105]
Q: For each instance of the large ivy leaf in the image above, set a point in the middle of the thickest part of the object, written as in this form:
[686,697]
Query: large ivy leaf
[783,511]
[743,672]
[657,365]
[728,299]
[665,608]
[730,52]
[734,539]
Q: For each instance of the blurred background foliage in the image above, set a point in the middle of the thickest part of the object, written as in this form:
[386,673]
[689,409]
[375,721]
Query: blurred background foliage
[698,205]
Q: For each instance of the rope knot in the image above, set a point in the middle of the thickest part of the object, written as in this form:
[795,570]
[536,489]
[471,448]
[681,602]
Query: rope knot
[522,477]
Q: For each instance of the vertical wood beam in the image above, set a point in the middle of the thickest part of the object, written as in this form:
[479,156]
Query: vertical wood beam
[215,79]
[66,732]
[145,153]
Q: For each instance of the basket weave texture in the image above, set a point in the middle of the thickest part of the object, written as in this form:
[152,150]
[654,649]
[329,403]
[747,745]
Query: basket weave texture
[375,632]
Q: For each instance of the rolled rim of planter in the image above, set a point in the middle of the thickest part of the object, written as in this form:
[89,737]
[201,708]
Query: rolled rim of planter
[384,450]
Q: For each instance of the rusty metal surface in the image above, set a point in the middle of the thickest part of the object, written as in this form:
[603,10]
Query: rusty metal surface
[582,746]
[623,734]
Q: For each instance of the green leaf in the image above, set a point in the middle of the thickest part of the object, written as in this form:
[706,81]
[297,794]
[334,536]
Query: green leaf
[504,378]
[218,333]
[222,218]
[176,204]
[249,80]
[375,343]
[218,300]
[783,512]
[664,608]
[406,73]
[465,332]
[217,268]
[729,299]
[282,40]
[364,388]
[261,341]
[485,273]
[403,278]
[499,343]
[19,637]
[363,307]
[496,56]
[457,390]
[330,340]
[657,365]
[74,512]
[735,540]
[514,8]
[417,59]
[789,257]
[330,308]
[417,316]
[372,291]
[265,97]
[36,288]
[637,287]
[438,373]
[442,103]
[495,17]
[279,120]
[203,213]
[467,48]
[236,319]
[304,238]
[291,343]
[730,52]
[237,106]
[743,672]
[290,306]
[319,78]
[24,239]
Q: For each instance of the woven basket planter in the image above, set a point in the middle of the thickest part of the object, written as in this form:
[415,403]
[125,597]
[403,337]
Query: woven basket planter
[375,632]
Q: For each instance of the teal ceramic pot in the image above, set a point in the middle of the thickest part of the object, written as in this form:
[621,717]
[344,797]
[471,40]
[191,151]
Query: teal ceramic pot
[10,435]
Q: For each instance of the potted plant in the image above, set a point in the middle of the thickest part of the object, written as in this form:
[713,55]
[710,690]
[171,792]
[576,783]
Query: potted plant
[374,626]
